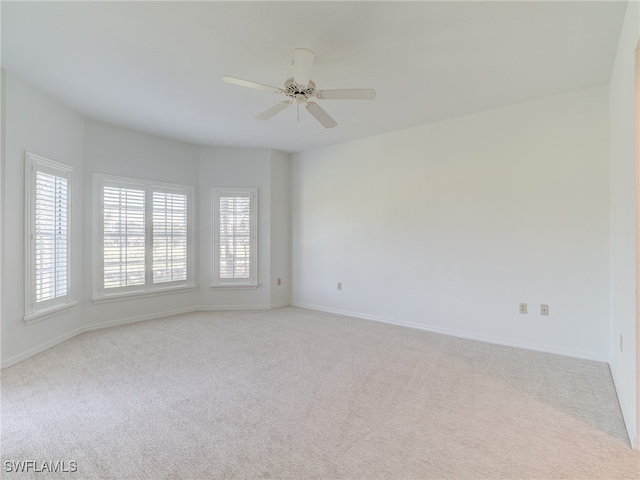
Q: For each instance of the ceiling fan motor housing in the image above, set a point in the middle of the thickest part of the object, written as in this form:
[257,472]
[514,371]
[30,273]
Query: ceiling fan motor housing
[293,90]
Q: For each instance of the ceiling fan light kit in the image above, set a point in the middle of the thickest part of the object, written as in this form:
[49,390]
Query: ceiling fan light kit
[301,89]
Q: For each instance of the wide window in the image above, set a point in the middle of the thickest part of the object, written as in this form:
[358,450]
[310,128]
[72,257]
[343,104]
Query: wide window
[48,232]
[144,237]
[235,237]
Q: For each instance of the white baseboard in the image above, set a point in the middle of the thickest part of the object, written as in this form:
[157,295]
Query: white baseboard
[634,437]
[216,308]
[460,334]
[139,318]
[41,348]
[280,305]
[123,321]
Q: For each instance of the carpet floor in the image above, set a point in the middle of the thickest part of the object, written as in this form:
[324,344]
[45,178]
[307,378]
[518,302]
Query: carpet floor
[298,394]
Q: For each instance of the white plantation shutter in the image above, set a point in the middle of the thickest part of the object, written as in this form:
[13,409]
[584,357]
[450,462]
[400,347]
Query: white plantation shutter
[169,237]
[144,237]
[123,236]
[51,236]
[235,255]
[235,236]
[48,233]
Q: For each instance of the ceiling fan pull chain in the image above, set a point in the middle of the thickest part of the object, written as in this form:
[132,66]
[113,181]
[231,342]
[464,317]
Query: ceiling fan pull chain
[298,105]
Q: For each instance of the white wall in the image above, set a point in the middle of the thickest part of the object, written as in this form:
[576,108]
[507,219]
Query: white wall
[623,222]
[448,226]
[280,229]
[35,123]
[120,151]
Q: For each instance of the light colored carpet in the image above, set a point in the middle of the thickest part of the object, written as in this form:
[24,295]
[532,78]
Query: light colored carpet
[297,394]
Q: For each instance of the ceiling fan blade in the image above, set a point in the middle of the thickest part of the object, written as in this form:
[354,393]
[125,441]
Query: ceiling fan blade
[347,94]
[322,116]
[277,108]
[302,64]
[247,83]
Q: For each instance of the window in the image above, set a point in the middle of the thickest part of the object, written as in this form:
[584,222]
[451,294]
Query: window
[234,234]
[48,236]
[144,237]
[123,236]
[169,237]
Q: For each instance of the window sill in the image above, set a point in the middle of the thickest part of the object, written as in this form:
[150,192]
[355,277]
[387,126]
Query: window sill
[116,297]
[35,317]
[233,286]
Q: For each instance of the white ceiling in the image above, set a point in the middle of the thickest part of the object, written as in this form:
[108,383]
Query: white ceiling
[156,66]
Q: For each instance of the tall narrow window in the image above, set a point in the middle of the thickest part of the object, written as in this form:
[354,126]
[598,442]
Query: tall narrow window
[48,230]
[144,237]
[51,236]
[169,237]
[235,239]
[123,236]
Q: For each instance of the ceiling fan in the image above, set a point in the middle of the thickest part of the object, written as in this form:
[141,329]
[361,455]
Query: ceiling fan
[300,89]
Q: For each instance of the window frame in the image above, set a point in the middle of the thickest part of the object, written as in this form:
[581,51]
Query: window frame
[33,311]
[100,294]
[252,281]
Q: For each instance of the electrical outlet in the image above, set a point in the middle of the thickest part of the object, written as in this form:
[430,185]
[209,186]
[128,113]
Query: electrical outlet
[339,285]
[621,342]
[523,308]
[279,282]
[544,309]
